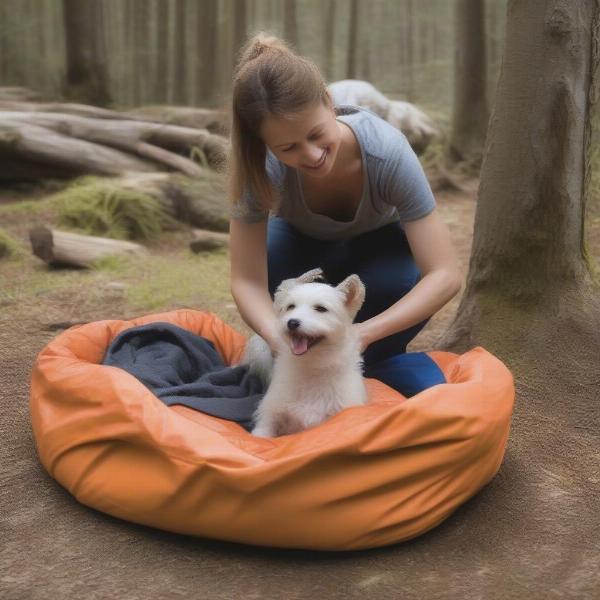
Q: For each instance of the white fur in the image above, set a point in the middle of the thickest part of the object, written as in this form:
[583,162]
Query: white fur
[306,389]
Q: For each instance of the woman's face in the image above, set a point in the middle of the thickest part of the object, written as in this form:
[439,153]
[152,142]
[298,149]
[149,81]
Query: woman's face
[307,140]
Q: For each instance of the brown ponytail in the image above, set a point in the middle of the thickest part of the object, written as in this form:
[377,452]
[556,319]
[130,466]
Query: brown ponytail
[269,79]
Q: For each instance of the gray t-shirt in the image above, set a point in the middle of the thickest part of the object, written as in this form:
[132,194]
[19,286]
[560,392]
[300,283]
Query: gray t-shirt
[394,186]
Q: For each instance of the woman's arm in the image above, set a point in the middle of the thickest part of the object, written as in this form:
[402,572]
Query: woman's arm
[249,284]
[441,280]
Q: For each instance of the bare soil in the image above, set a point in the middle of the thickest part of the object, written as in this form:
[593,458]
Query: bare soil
[533,532]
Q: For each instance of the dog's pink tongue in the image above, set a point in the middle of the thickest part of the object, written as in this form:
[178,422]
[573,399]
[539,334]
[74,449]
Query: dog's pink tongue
[299,344]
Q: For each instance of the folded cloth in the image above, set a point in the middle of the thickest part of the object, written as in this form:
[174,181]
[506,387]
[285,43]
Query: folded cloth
[180,367]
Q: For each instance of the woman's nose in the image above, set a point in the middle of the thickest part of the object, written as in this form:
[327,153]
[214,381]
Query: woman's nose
[312,155]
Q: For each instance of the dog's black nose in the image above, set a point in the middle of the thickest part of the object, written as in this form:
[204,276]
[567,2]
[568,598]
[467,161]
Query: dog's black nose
[293,324]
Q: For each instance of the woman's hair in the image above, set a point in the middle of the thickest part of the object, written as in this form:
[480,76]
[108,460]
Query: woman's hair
[269,79]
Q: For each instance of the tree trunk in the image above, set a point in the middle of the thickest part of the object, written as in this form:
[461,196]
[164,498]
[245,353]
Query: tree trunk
[207,72]
[409,27]
[353,40]
[290,25]
[240,25]
[86,78]
[330,39]
[180,54]
[470,113]
[530,295]
[161,57]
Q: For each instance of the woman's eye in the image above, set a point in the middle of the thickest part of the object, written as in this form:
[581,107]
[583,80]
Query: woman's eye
[320,308]
[290,307]
[288,149]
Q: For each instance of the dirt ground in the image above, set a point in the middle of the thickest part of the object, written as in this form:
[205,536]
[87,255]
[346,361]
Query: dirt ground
[533,532]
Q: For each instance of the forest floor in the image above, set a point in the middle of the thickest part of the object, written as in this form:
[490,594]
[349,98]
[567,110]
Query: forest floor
[531,533]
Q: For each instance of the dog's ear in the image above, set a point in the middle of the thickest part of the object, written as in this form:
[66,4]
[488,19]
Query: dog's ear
[287,284]
[354,291]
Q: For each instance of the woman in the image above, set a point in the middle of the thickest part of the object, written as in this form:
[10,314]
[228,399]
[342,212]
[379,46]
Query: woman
[337,187]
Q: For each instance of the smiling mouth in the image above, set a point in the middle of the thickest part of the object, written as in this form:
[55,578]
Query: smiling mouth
[303,343]
[321,161]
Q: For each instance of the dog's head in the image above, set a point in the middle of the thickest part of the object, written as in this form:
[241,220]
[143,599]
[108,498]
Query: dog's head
[312,313]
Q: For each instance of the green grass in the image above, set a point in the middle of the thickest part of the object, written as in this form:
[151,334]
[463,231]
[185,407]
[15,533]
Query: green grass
[163,281]
[26,207]
[9,248]
[99,206]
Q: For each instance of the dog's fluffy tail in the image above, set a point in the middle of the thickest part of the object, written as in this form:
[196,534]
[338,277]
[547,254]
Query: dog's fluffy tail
[259,358]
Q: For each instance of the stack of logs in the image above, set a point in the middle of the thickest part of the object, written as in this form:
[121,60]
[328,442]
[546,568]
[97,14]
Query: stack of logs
[40,140]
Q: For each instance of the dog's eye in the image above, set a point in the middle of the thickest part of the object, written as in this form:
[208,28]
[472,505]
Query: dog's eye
[290,307]
[320,308]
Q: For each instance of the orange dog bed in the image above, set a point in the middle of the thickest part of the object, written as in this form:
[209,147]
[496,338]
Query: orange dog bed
[369,476]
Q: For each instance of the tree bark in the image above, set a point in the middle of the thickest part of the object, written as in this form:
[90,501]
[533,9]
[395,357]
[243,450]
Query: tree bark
[530,294]
[470,112]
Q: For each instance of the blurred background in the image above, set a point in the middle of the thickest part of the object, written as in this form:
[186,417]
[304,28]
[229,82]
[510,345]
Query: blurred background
[182,51]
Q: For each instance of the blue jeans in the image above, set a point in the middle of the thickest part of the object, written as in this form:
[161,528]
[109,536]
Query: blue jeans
[383,261]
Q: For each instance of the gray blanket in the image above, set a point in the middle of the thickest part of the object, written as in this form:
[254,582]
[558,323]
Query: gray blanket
[180,367]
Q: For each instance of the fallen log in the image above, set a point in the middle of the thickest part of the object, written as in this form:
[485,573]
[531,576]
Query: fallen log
[213,119]
[135,137]
[42,145]
[199,202]
[17,94]
[68,108]
[62,248]
[207,241]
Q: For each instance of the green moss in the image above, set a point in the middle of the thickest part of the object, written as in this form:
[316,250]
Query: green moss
[9,248]
[98,206]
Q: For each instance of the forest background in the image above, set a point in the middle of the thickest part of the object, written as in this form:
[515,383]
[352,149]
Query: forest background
[532,532]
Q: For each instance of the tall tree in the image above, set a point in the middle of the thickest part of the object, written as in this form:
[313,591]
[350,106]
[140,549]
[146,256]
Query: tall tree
[161,58]
[86,78]
[470,113]
[530,293]
[352,40]
[180,53]
[290,23]
[329,39]
[240,27]
[207,59]
[408,47]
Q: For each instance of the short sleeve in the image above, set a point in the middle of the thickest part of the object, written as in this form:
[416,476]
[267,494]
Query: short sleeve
[248,209]
[404,184]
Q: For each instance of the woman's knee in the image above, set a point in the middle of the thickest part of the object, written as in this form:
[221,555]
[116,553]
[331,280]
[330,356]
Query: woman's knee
[408,374]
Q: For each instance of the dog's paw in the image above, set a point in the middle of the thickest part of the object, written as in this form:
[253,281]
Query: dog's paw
[263,431]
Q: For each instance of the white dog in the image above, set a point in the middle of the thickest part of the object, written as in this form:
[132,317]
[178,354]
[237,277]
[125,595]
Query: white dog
[317,369]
